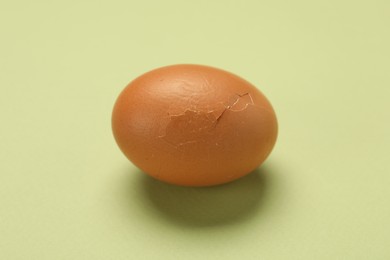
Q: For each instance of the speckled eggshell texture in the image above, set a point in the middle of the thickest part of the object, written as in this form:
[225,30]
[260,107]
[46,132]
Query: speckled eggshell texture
[194,125]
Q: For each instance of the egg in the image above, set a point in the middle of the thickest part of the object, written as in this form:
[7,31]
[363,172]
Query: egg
[194,125]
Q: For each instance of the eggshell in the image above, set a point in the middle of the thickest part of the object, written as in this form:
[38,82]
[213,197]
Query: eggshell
[194,125]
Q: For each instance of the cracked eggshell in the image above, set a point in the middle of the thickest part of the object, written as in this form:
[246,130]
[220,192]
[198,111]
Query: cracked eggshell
[194,125]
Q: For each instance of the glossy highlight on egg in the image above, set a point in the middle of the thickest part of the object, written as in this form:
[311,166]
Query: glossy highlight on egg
[194,125]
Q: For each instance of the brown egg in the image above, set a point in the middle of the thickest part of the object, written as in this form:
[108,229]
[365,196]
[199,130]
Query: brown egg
[194,125]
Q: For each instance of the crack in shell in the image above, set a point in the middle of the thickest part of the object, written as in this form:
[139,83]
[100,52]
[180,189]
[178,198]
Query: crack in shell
[195,126]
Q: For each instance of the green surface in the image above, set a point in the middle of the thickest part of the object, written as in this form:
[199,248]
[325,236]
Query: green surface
[67,192]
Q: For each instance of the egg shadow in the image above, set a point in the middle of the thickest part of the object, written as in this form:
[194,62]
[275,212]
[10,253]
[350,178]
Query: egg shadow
[207,206]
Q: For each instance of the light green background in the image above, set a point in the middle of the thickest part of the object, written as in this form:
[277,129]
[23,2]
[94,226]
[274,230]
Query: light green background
[67,192]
